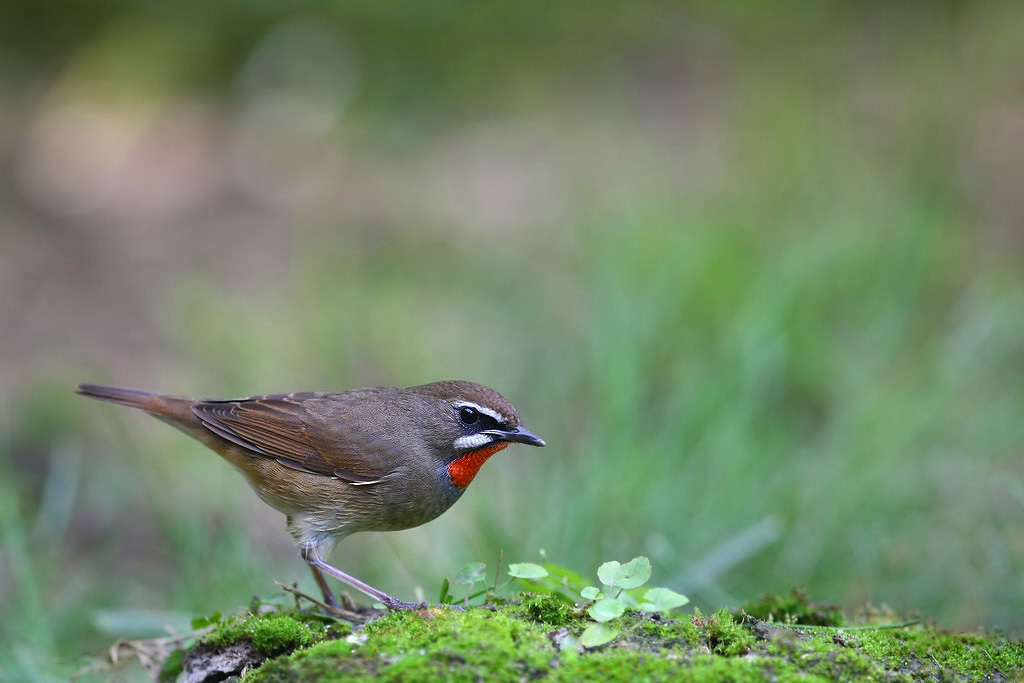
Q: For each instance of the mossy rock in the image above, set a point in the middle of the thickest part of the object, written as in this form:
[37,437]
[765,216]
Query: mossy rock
[241,643]
[535,637]
[274,632]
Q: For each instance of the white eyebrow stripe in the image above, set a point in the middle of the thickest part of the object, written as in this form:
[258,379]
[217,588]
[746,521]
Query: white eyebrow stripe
[501,419]
[472,441]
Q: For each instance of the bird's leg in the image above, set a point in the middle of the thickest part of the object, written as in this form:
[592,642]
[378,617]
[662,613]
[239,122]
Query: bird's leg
[318,565]
[329,598]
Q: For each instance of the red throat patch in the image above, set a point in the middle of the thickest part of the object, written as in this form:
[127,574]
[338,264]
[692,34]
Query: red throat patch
[465,468]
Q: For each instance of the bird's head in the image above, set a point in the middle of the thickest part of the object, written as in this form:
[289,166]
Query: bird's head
[471,423]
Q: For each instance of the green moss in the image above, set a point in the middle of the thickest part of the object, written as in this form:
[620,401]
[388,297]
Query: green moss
[823,657]
[627,666]
[898,655]
[795,608]
[435,644]
[718,633]
[513,643]
[665,633]
[723,635]
[609,665]
[967,657]
[333,660]
[275,632]
[544,608]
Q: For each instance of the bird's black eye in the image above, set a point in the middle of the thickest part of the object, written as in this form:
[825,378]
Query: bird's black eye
[468,415]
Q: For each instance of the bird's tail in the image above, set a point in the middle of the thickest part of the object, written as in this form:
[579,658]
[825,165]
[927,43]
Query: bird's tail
[157,404]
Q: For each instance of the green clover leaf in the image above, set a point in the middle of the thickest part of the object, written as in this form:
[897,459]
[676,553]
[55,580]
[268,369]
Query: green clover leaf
[606,609]
[607,572]
[527,570]
[470,574]
[662,600]
[597,634]
[634,573]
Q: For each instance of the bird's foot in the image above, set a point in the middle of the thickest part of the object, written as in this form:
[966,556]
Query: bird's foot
[395,604]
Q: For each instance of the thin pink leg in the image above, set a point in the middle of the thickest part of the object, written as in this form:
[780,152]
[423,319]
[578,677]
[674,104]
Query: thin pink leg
[318,565]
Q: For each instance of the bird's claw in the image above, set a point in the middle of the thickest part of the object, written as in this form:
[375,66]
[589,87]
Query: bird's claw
[395,605]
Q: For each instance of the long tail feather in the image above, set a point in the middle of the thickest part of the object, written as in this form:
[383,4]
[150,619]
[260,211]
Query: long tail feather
[126,397]
[161,405]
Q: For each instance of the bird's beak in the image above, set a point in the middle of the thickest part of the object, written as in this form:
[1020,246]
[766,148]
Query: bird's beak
[518,435]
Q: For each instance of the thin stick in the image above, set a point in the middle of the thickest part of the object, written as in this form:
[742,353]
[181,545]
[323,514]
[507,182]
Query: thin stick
[322,605]
[497,571]
[880,627]
[151,653]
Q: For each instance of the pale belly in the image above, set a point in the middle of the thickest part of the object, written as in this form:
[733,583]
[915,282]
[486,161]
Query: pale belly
[323,510]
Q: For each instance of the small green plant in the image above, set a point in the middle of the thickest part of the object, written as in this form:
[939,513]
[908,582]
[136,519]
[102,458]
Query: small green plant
[622,585]
[468,576]
[623,580]
[473,573]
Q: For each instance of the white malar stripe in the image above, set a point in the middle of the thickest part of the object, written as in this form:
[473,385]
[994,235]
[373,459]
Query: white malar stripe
[472,441]
[501,419]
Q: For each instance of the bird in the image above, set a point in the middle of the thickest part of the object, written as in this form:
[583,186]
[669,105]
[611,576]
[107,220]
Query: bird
[373,459]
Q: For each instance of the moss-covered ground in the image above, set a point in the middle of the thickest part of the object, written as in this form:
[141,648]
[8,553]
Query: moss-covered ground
[534,638]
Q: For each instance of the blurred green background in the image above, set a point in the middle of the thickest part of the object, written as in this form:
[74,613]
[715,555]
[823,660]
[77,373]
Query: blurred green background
[753,270]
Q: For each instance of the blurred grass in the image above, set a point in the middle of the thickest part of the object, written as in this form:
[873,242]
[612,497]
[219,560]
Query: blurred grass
[798,365]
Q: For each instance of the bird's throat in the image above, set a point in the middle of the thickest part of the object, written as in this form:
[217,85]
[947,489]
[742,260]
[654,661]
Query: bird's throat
[465,468]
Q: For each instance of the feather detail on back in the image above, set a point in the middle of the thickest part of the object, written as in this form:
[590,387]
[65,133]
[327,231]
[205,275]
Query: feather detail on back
[290,429]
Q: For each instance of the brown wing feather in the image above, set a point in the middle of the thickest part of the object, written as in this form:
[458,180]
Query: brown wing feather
[284,428]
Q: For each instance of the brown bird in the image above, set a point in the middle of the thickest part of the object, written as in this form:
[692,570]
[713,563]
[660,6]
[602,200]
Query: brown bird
[378,459]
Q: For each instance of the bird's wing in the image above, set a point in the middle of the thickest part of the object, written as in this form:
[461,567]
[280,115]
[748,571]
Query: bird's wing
[292,429]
